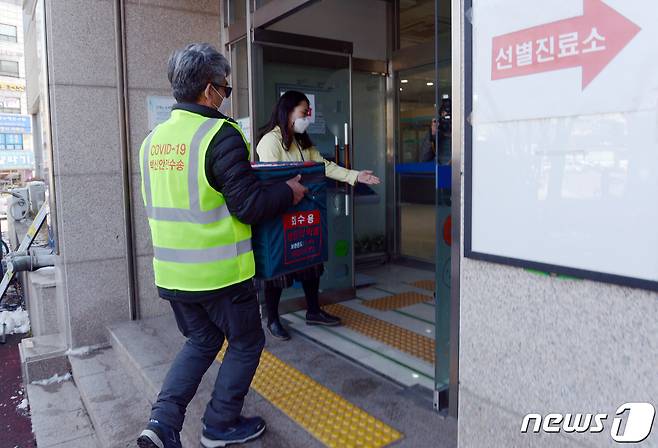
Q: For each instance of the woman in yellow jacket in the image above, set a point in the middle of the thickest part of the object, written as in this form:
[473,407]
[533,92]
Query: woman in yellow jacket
[285,140]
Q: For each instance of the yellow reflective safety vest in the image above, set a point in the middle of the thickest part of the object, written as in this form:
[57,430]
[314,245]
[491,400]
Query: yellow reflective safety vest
[197,244]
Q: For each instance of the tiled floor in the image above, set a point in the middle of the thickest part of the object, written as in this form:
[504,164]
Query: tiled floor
[396,364]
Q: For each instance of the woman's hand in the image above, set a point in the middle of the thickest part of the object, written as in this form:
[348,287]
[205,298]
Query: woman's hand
[368,178]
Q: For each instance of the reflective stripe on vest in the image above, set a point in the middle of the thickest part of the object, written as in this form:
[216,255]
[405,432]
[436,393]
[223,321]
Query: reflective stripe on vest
[207,255]
[194,214]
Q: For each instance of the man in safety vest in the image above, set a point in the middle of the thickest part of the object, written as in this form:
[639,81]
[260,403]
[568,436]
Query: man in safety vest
[201,198]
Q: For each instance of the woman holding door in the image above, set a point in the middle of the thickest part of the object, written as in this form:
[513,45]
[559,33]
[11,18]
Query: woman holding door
[285,140]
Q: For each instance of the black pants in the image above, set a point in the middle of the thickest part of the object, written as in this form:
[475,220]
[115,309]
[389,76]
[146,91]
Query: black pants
[234,317]
[273,297]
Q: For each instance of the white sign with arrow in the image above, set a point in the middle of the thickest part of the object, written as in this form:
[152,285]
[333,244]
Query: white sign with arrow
[564,157]
[563,58]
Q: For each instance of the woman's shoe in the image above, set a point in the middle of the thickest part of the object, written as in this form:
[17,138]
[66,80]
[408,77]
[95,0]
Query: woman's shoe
[277,331]
[322,318]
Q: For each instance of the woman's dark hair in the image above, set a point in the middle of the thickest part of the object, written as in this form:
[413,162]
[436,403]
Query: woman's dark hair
[280,114]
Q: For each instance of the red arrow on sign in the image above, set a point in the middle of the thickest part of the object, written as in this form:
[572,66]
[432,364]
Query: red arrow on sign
[589,41]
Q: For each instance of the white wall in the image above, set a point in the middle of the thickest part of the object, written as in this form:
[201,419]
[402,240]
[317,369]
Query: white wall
[535,344]
[532,343]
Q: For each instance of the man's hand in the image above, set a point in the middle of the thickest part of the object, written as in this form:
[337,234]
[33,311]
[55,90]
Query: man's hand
[298,190]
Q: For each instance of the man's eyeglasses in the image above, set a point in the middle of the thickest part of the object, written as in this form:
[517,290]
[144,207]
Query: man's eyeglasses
[228,89]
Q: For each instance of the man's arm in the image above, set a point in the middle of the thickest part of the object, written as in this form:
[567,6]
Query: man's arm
[229,171]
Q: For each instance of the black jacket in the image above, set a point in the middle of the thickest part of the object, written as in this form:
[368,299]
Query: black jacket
[228,171]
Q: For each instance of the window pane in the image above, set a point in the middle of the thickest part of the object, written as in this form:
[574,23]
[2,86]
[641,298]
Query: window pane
[10,105]
[240,79]
[416,111]
[369,112]
[417,209]
[237,11]
[13,141]
[9,68]
[8,33]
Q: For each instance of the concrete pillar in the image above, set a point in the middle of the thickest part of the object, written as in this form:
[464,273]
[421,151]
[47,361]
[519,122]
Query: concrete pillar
[85,138]
[154,29]
[85,130]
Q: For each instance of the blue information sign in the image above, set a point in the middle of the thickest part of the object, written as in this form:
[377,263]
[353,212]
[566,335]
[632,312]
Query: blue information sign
[15,124]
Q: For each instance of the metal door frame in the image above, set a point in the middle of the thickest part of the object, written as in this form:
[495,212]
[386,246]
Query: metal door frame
[291,41]
[279,9]
[458,8]
[425,54]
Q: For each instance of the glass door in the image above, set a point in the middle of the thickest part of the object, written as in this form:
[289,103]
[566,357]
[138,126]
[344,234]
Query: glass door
[422,64]
[326,80]
[415,167]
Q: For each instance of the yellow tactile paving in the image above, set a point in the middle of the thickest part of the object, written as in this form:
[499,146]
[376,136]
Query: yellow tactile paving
[400,338]
[397,301]
[429,285]
[327,416]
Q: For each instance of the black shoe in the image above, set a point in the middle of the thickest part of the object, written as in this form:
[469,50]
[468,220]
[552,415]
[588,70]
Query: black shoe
[322,318]
[277,331]
[159,435]
[244,430]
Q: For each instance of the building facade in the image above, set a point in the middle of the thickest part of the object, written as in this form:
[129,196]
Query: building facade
[16,147]
[509,342]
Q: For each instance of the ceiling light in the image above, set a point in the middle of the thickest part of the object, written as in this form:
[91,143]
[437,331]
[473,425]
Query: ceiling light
[404,81]
[430,83]
[400,89]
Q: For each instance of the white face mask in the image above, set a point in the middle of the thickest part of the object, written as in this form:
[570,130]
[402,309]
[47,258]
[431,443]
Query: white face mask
[301,125]
[224,106]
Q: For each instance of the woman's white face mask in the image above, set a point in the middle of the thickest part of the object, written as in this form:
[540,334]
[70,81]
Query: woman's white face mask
[301,125]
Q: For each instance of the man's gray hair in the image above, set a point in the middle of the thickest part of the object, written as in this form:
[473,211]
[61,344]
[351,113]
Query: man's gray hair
[192,68]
